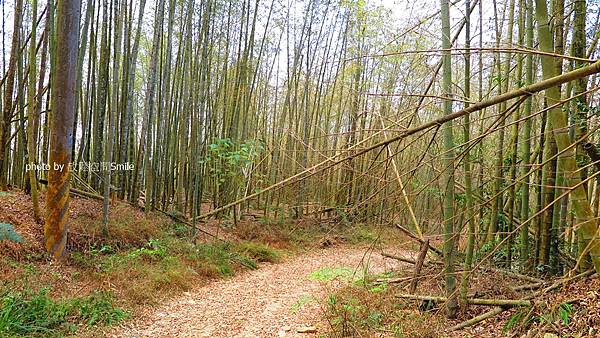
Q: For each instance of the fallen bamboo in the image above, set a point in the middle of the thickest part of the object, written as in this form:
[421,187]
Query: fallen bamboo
[393,280]
[399,258]
[82,193]
[489,314]
[527,287]
[401,184]
[473,301]
[418,266]
[77,192]
[334,160]
[516,275]
[556,284]
[419,240]
[188,224]
[561,282]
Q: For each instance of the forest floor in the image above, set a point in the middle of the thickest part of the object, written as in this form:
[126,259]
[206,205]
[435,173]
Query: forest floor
[142,276]
[277,300]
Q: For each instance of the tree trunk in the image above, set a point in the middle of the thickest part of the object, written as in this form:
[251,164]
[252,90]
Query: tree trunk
[63,104]
[448,160]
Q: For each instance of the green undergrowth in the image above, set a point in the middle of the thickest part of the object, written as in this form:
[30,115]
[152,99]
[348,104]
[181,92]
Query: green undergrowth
[35,314]
[170,263]
[297,235]
[137,273]
[142,261]
[366,308]
[328,274]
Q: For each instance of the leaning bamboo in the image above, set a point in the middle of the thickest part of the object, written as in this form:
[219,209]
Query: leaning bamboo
[418,266]
[337,159]
[421,241]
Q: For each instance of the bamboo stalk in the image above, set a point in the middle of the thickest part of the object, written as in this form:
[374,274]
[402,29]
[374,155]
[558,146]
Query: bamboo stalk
[474,301]
[517,275]
[418,266]
[401,184]
[489,314]
[337,159]
[419,240]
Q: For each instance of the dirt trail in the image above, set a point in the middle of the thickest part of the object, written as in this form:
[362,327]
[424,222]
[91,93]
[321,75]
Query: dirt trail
[273,301]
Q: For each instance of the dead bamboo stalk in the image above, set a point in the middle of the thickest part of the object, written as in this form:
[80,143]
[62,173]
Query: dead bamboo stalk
[560,283]
[418,266]
[77,191]
[516,275]
[393,280]
[489,314]
[334,160]
[473,301]
[413,236]
[556,284]
[399,258]
[529,287]
[401,184]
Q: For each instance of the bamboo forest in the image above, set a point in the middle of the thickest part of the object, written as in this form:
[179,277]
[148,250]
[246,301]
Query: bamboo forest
[299,168]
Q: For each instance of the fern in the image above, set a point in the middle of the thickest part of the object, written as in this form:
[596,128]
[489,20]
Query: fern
[7,232]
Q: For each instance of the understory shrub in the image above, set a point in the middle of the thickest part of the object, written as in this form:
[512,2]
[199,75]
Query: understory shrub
[35,313]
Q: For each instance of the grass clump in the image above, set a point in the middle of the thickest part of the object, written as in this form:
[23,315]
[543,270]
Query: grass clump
[258,252]
[170,263]
[36,314]
[367,310]
[98,309]
[214,259]
[328,274]
[361,234]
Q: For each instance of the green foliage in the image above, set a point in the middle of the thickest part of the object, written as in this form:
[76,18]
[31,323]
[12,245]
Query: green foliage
[360,234]
[514,320]
[356,311]
[153,249]
[379,288]
[487,247]
[340,211]
[497,80]
[104,249]
[433,191]
[218,255]
[222,255]
[589,110]
[258,252]
[31,313]
[8,233]
[345,309]
[564,311]
[181,230]
[304,299]
[499,253]
[328,274]
[230,164]
[229,160]
[460,198]
[348,314]
[98,308]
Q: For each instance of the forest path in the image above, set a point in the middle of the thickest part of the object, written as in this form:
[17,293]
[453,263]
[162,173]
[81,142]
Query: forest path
[273,301]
